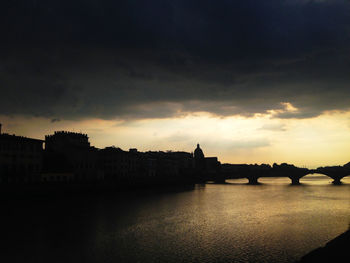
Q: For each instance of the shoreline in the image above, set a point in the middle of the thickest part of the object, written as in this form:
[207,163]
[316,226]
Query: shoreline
[335,250]
[8,192]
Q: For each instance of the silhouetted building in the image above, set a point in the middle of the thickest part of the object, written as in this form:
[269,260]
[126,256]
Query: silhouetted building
[21,159]
[119,165]
[150,165]
[60,141]
[212,165]
[69,157]
[184,160]
[163,165]
[206,168]
[169,167]
[134,167]
[198,153]
[58,177]
[199,162]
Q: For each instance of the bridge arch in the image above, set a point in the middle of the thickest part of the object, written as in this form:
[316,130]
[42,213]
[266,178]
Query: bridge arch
[335,175]
[315,177]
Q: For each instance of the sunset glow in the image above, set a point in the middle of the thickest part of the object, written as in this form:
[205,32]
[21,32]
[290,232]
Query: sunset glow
[313,142]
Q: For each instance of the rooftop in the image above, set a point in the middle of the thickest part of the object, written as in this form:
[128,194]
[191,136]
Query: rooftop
[68,133]
[12,137]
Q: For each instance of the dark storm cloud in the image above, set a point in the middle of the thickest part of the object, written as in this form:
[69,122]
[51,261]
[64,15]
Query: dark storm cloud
[140,59]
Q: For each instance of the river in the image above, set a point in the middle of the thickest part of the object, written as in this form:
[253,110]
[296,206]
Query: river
[233,222]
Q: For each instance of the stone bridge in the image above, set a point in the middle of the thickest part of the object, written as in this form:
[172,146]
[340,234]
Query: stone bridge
[253,173]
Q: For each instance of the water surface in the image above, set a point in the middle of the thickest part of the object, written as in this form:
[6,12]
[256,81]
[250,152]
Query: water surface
[234,222]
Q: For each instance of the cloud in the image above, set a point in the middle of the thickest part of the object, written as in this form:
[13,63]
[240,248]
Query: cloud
[55,120]
[256,143]
[160,59]
[273,127]
[237,145]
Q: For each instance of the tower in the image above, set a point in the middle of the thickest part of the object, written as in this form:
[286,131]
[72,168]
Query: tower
[199,160]
[198,153]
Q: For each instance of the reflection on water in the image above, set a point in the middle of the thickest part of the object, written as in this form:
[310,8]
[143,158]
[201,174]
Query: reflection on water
[319,179]
[234,222]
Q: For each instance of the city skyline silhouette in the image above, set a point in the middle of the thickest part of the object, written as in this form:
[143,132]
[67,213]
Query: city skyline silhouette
[69,157]
[174,131]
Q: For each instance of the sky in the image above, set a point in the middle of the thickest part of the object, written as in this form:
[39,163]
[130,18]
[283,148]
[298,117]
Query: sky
[252,81]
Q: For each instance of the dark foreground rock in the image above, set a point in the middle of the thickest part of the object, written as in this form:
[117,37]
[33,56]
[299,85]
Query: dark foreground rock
[337,250]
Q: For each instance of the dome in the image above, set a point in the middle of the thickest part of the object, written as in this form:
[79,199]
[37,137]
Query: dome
[198,153]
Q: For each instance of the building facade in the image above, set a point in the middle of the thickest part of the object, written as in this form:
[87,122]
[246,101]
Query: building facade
[21,159]
[120,166]
[69,157]
[206,168]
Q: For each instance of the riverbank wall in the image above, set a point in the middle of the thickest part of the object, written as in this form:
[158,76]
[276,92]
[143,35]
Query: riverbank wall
[336,250]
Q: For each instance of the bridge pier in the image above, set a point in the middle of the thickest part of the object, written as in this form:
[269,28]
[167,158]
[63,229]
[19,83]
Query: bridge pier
[335,172]
[295,180]
[337,180]
[253,180]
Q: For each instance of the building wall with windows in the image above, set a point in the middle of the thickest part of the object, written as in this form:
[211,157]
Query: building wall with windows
[57,177]
[21,159]
[71,153]
[119,165]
